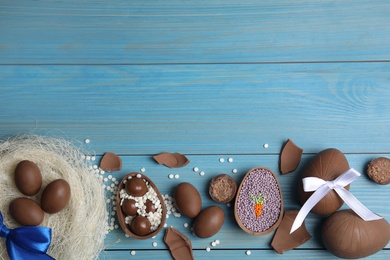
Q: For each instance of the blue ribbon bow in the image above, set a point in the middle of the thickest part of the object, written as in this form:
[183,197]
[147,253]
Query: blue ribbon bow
[31,242]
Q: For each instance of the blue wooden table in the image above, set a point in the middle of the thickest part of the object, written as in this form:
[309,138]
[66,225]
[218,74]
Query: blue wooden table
[209,79]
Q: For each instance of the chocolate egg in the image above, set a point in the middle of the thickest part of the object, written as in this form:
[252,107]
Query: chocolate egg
[28,178]
[346,235]
[258,207]
[140,226]
[209,222]
[129,207]
[55,196]
[26,212]
[188,200]
[327,165]
[136,187]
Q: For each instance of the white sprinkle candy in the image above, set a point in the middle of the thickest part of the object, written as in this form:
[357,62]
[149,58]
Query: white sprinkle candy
[177,176]
[228,205]
[208,249]
[201,173]
[88,158]
[143,169]
[132,252]
[217,242]
[154,244]
[171,176]
[234,171]
[248,252]
[93,158]
[213,243]
[230,160]
[221,160]
[87,141]
[139,175]
[185,225]
[265,146]
[196,169]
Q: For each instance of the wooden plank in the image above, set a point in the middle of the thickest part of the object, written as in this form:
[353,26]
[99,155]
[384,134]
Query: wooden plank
[208,109]
[230,235]
[170,31]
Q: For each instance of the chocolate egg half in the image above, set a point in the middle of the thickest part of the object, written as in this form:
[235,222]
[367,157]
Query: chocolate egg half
[209,221]
[188,200]
[327,165]
[28,178]
[26,212]
[258,207]
[346,235]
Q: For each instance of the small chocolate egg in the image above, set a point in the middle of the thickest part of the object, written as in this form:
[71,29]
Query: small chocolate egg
[149,206]
[327,165]
[188,200]
[140,226]
[346,235]
[209,222]
[28,178]
[136,187]
[26,212]
[55,196]
[129,207]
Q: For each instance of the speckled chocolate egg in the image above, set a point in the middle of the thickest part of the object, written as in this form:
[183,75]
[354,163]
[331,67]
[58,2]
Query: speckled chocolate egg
[140,226]
[209,222]
[188,200]
[55,196]
[26,212]
[327,165]
[136,187]
[28,178]
[129,208]
[346,235]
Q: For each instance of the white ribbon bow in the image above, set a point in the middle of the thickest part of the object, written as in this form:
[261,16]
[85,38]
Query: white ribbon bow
[321,188]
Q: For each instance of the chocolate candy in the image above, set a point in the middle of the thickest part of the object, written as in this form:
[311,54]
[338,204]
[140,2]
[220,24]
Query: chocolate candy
[179,245]
[111,162]
[379,170]
[140,226]
[55,196]
[188,200]
[28,178]
[149,206]
[209,222]
[136,187]
[346,235]
[290,157]
[175,160]
[327,165]
[222,188]
[129,207]
[26,212]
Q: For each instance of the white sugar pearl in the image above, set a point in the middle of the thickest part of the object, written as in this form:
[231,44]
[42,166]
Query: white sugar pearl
[228,205]
[87,141]
[265,146]
[177,176]
[201,173]
[208,249]
[154,244]
[248,252]
[185,225]
[196,169]
[139,175]
[143,169]
[217,242]
[230,160]
[132,252]
[171,176]
[95,166]
[88,158]
[213,243]
[234,171]
[221,160]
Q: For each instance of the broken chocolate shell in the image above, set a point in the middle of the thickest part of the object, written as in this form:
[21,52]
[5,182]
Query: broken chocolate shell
[283,240]
[175,160]
[290,157]
[179,245]
[111,162]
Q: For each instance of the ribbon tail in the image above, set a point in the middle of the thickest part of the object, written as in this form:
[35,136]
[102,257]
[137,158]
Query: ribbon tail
[356,205]
[309,204]
[15,252]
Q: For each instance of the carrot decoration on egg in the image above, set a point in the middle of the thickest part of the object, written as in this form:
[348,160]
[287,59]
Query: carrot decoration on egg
[259,203]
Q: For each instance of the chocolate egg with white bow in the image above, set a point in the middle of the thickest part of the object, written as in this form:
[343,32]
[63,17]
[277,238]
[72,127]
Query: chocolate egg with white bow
[326,165]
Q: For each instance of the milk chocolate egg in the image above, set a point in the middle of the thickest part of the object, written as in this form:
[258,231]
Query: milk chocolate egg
[209,222]
[188,200]
[136,187]
[129,207]
[28,178]
[140,226]
[346,235]
[26,212]
[55,196]
[327,165]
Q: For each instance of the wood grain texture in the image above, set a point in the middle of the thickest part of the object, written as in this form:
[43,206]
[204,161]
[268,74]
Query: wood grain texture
[208,109]
[170,31]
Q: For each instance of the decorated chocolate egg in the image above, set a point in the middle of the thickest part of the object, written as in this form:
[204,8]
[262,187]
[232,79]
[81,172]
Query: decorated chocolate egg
[26,212]
[28,178]
[188,200]
[209,221]
[258,207]
[346,235]
[327,165]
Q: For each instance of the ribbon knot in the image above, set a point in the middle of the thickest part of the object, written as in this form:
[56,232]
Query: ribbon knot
[322,187]
[30,242]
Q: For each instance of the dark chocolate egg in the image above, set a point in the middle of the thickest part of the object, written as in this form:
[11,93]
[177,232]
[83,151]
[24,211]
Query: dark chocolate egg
[140,226]
[129,208]
[136,187]
[55,196]
[327,165]
[149,206]
[28,178]
[346,235]
[209,222]
[188,200]
[26,212]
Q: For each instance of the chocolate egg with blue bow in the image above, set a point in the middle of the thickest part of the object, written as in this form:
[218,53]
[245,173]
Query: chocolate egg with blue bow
[327,165]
